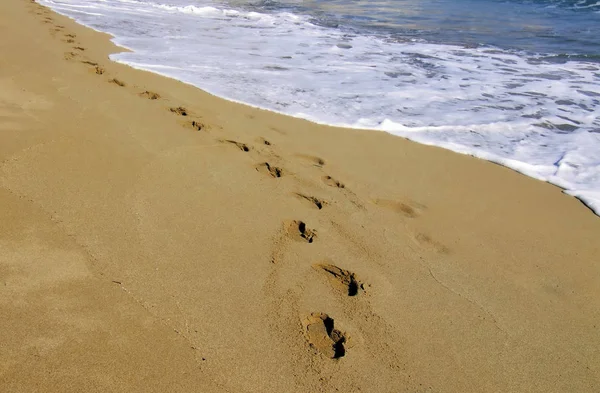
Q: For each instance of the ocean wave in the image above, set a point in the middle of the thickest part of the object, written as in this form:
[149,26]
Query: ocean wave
[538,114]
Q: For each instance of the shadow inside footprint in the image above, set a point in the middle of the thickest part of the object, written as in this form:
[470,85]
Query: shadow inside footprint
[318,203]
[316,161]
[341,279]
[197,125]
[269,169]
[299,231]
[242,146]
[322,335]
[181,111]
[150,95]
[117,82]
[331,182]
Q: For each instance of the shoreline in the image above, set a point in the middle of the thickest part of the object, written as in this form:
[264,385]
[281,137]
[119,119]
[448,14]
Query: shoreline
[158,238]
[522,167]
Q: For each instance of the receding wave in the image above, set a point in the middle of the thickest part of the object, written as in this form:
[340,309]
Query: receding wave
[538,114]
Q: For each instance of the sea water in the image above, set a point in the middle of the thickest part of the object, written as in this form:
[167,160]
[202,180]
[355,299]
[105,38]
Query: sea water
[516,82]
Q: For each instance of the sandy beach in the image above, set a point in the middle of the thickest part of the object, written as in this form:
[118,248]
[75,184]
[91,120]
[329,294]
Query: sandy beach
[155,238]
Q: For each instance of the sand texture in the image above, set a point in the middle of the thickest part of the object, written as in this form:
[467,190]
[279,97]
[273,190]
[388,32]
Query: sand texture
[154,238]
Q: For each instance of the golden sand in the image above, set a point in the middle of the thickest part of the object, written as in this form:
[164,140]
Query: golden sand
[154,238]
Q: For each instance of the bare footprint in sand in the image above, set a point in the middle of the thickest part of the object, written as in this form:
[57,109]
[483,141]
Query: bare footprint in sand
[314,201]
[316,161]
[99,70]
[299,231]
[427,241]
[196,125]
[242,146]
[340,279]
[70,55]
[264,141]
[117,82]
[181,111]
[331,182]
[150,95]
[406,208]
[269,169]
[322,335]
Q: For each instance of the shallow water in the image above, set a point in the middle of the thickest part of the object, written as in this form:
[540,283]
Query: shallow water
[515,82]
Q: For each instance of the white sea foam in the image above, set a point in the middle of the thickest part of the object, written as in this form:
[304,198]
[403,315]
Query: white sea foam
[539,117]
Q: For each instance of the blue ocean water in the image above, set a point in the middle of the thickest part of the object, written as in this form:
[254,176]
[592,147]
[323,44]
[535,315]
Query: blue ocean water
[512,81]
[543,26]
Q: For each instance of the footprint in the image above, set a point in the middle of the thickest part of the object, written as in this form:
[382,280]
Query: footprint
[316,161]
[91,63]
[70,41]
[425,240]
[331,182]
[117,82]
[322,335]
[313,200]
[264,141]
[99,70]
[70,35]
[70,55]
[241,146]
[150,95]
[299,231]
[181,111]
[269,169]
[407,209]
[197,125]
[341,279]
[78,48]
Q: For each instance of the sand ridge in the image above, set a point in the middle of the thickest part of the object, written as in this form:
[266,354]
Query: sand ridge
[161,239]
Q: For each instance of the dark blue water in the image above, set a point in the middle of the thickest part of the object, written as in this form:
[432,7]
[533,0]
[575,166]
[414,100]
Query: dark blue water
[560,27]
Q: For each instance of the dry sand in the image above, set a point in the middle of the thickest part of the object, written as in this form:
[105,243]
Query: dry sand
[237,250]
